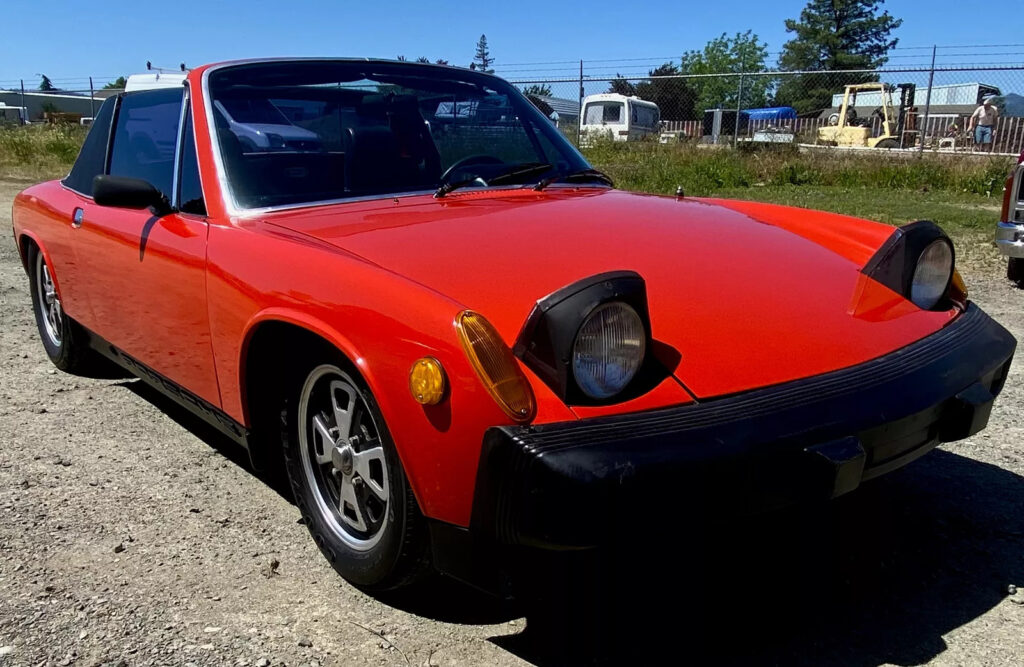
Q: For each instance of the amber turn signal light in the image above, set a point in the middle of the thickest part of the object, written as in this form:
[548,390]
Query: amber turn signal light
[495,364]
[958,289]
[426,381]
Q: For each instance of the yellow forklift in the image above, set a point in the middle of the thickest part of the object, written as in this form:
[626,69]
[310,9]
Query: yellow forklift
[846,129]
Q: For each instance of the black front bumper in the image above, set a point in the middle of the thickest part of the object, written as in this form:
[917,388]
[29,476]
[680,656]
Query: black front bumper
[561,486]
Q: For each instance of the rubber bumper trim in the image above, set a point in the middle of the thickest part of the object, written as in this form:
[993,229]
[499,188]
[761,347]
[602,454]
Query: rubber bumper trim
[561,485]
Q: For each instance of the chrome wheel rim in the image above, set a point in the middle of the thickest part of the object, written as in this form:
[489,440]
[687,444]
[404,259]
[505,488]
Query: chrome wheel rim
[343,457]
[49,302]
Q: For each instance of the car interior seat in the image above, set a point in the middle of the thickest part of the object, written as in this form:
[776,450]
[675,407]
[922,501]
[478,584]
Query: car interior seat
[407,147]
[372,154]
[420,157]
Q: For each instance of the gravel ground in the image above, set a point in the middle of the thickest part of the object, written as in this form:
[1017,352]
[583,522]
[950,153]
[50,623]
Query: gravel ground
[133,536]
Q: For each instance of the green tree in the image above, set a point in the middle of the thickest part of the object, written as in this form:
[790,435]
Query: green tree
[544,107]
[723,55]
[621,86]
[482,61]
[45,83]
[674,96]
[833,35]
[423,59]
[119,83]
[542,89]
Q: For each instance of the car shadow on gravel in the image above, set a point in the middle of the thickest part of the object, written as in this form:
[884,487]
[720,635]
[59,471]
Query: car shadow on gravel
[208,434]
[448,601]
[878,576]
[437,598]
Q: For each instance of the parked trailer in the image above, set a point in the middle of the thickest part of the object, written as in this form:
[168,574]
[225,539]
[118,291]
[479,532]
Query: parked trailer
[618,117]
[13,115]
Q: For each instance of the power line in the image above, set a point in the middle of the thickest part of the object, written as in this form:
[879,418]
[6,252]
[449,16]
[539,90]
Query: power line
[973,55]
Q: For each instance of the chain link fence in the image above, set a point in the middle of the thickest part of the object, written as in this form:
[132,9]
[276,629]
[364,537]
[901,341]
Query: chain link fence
[922,108]
[71,101]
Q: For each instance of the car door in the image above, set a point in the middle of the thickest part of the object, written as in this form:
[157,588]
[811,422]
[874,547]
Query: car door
[147,273]
[63,212]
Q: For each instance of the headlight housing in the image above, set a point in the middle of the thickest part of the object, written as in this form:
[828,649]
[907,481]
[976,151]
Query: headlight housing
[591,341]
[609,350]
[917,261]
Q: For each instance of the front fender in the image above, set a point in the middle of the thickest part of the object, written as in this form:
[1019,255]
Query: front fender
[382,322]
[853,238]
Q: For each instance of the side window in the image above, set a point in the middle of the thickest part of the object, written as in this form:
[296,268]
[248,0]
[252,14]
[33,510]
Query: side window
[146,135]
[93,157]
[190,190]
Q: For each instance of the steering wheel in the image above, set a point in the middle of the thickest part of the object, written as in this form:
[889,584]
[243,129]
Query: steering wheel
[469,161]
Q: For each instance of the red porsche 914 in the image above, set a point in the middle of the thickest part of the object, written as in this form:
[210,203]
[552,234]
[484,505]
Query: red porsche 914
[400,284]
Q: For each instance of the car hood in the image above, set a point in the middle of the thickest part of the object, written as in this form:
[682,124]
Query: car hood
[748,295]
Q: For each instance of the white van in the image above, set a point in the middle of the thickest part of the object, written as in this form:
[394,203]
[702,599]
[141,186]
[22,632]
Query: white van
[154,80]
[13,115]
[618,116]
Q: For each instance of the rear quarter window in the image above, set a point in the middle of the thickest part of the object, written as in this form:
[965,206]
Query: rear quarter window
[145,137]
[92,159]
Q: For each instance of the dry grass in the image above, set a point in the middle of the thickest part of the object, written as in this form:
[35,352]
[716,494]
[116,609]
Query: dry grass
[651,167]
[39,152]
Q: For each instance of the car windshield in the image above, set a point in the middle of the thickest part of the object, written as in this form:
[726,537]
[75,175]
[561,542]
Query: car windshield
[301,132]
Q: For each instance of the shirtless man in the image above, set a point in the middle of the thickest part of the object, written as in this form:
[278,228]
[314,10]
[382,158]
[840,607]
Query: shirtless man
[983,123]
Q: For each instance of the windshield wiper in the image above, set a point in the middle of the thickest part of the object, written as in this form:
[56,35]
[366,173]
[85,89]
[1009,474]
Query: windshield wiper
[519,170]
[581,176]
[455,185]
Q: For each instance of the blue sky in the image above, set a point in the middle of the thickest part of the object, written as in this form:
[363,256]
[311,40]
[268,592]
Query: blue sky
[72,40]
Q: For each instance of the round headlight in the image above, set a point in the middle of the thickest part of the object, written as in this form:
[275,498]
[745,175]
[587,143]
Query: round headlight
[609,350]
[932,274]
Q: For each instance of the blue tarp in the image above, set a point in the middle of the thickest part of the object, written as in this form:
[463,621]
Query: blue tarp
[771,113]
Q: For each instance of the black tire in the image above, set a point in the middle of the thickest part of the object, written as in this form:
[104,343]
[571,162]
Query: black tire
[398,551]
[887,143]
[1015,271]
[63,339]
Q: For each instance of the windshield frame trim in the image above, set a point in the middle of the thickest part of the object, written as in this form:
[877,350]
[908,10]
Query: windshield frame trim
[227,194]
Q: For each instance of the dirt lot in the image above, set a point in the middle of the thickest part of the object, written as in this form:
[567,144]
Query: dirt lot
[130,535]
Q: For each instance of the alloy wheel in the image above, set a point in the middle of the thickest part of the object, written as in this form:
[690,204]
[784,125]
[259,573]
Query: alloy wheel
[343,457]
[49,302]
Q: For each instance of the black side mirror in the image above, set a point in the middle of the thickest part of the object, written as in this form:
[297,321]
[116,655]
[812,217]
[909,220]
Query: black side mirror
[124,192]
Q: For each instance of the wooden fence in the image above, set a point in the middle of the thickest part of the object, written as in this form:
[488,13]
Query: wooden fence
[941,132]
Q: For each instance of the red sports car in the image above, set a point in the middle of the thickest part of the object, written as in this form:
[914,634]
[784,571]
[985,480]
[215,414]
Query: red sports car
[402,284]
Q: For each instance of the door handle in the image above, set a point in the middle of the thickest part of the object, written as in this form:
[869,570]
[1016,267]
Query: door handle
[77,217]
